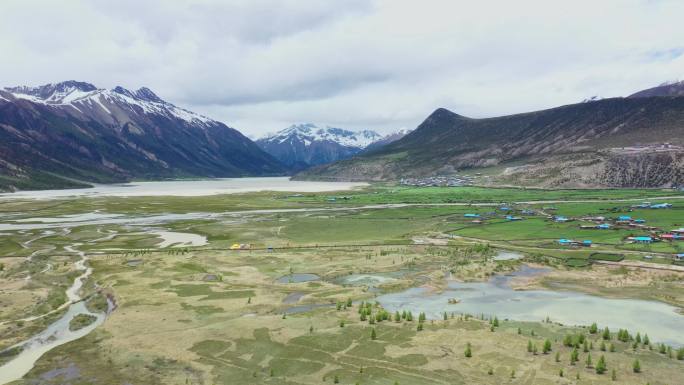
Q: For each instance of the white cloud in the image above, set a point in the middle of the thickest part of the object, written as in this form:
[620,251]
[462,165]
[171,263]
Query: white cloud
[260,65]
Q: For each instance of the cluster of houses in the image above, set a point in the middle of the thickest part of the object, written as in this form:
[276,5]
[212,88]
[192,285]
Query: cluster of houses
[672,235]
[438,181]
[571,243]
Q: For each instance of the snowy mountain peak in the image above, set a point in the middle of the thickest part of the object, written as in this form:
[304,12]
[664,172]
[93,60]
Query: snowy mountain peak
[304,145]
[309,133]
[86,97]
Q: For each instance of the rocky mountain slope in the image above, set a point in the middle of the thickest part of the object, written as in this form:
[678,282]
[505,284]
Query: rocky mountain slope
[665,89]
[636,141]
[59,135]
[304,145]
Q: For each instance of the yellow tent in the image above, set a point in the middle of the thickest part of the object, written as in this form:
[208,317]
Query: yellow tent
[235,246]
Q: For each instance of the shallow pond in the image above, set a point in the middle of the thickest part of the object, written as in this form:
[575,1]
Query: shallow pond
[496,297]
[503,255]
[370,279]
[298,277]
[175,239]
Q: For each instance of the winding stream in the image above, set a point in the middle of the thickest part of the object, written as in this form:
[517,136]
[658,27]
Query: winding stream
[58,332]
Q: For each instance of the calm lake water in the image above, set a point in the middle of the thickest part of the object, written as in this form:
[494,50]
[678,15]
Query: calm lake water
[495,297]
[189,188]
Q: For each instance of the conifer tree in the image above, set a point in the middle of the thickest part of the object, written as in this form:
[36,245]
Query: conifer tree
[529,346]
[574,356]
[593,329]
[468,351]
[374,336]
[547,347]
[636,366]
[606,333]
[601,365]
[588,361]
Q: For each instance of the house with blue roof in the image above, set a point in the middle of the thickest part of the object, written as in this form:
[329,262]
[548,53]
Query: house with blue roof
[641,239]
[661,206]
[603,226]
[624,218]
[471,215]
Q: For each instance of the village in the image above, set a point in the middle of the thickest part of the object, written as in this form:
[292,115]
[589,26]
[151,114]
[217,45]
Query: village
[644,233]
[439,181]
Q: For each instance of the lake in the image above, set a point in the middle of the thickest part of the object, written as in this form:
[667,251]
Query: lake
[496,298]
[188,188]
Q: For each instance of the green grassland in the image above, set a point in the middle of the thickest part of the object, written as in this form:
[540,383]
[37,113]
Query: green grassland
[172,325]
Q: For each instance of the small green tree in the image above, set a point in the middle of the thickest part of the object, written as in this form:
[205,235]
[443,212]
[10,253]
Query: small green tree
[593,329]
[420,326]
[547,347]
[341,323]
[560,373]
[606,333]
[612,348]
[336,379]
[613,375]
[680,354]
[446,316]
[646,340]
[557,356]
[636,366]
[349,302]
[249,300]
[585,346]
[588,361]
[574,356]
[601,365]
[468,351]
[529,346]
[496,322]
[374,335]
[603,346]
[637,339]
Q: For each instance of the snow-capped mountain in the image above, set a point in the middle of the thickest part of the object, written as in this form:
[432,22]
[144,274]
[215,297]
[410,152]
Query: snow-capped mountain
[55,133]
[85,98]
[304,145]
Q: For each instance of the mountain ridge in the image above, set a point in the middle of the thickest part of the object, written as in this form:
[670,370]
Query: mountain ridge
[576,145]
[54,134]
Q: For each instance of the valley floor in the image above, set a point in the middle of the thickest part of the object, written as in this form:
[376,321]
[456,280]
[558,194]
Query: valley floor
[272,287]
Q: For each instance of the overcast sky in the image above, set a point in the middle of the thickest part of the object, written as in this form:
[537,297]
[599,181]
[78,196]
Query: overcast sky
[261,65]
